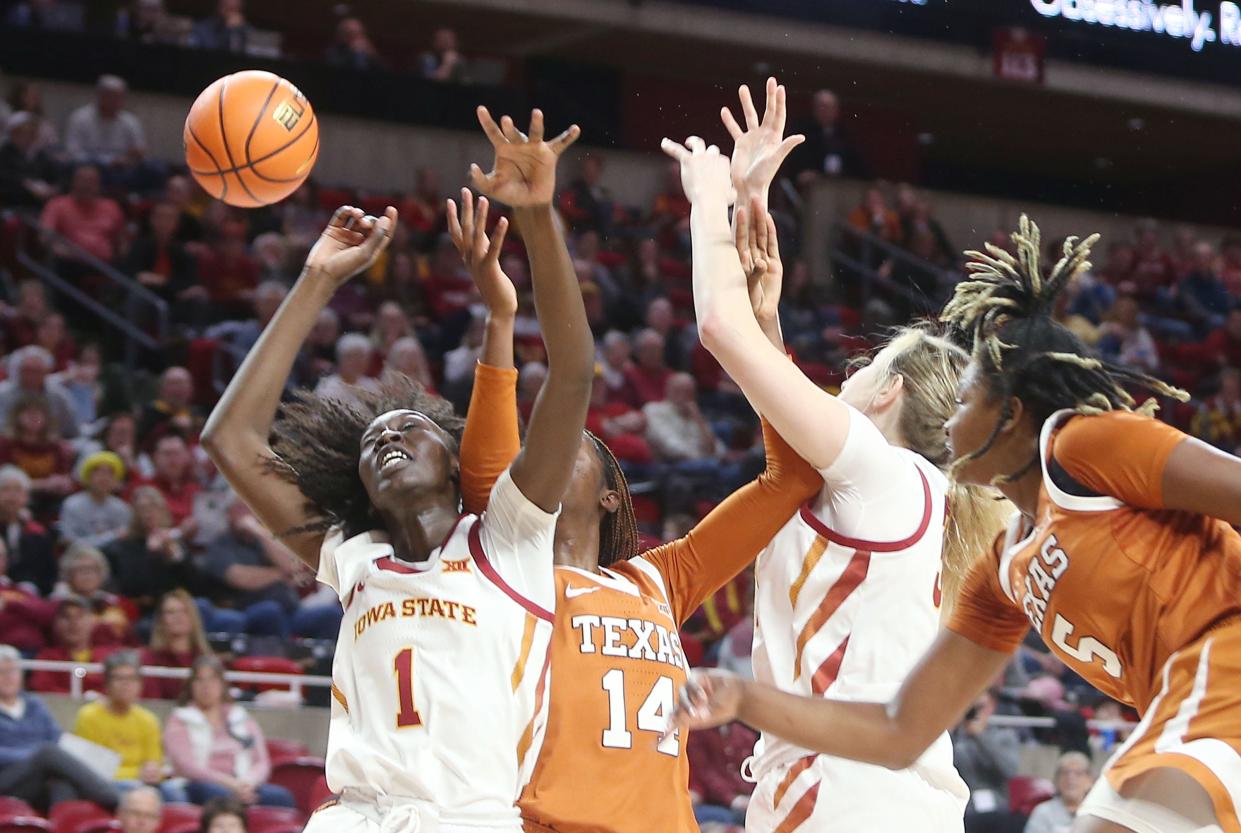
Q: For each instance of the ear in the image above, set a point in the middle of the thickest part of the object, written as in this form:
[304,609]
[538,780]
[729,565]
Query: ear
[888,395]
[610,501]
[1017,415]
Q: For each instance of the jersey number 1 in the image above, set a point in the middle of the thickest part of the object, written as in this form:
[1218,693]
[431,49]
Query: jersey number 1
[652,716]
[403,667]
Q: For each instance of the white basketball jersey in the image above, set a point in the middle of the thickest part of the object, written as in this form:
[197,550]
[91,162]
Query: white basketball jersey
[439,678]
[846,618]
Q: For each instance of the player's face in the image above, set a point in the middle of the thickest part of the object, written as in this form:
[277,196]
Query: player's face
[588,490]
[968,429]
[403,453]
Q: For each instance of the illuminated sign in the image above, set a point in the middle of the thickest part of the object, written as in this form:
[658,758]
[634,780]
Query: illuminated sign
[1170,20]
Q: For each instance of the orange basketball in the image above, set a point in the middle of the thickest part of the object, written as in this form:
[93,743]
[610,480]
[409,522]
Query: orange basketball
[251,139]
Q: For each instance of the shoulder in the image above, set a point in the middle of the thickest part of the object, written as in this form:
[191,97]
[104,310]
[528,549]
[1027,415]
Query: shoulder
[90,712]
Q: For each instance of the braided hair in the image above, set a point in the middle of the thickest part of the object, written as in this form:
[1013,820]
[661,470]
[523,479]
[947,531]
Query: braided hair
[317,445]
[1006,306]
[618,532]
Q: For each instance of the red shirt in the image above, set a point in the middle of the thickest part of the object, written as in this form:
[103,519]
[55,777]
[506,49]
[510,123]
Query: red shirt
[94,224]
[180,498]
[648,384]
[57,682]
[226,279]
[39,460]
[24,618]
[165,688]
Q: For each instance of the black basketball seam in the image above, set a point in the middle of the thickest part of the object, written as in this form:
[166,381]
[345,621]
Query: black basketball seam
[218,171]
[276,151]
[227,149]
[254,169]
[262,111]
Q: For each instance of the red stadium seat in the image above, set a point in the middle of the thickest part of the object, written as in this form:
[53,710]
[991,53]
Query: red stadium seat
[15,807]
[70,816]
[282,749]
[95,825]
[300,776]
[24,824]
[275,820]
[1025,792]
[265,665]
[180,818]
[319,793]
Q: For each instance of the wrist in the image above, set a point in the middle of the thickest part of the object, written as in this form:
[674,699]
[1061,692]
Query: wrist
[316,281]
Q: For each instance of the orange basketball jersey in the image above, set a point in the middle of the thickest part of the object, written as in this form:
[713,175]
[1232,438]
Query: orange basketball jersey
[1141,601]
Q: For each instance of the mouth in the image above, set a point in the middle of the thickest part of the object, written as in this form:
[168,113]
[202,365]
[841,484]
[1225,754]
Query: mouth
[392,458]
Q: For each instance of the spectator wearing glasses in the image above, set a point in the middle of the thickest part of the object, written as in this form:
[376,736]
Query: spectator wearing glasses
[1073,780]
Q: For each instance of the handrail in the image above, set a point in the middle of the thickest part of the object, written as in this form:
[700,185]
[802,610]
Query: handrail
[78,670]
[871,242]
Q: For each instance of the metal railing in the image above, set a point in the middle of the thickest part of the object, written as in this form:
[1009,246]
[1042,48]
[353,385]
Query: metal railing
[78,670]
[859,254]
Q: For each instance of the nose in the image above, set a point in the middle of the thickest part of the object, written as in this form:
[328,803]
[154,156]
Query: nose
[388,435]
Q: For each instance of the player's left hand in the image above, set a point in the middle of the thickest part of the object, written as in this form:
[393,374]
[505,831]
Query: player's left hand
[350,243]
[524,173]
[704,171]
[760,148]
[710,698]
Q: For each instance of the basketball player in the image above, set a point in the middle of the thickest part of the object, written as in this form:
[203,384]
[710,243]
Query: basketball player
[615,656]
[849,593]
[439,670]
[1123,556]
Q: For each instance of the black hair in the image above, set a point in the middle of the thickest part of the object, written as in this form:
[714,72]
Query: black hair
[222,806]
[618,532]
[1006,305]
[317,445]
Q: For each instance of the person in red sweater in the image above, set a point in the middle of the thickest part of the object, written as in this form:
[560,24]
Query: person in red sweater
[228,273]
[32,446]
[648,375]
[619,425]
[717,788]
[24,617]
[177,639]
[71,638]
[89,222]
[177,480]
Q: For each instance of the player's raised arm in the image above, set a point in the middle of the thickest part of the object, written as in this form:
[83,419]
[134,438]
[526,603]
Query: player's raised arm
[524,176]
[236,434]
[760,147]
[813,422]
[481,255]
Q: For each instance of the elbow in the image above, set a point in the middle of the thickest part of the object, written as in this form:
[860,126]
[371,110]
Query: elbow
[903,751]
[714,332]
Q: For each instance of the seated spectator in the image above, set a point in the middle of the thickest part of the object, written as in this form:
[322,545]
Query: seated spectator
[618,424]
[444,61]
[675,427]
[177,639]
[459,362]
[27,97]
[670,212]
[117,722]
[874,216]
[227,274]
[31,444]
[1223,346]
[717,758]
[353,357]
[184,194]
[175,477]
[271,250]
[29,369]
[172,411]
[1153,270]
[587,203]
[678,339]
[81,381]
[260,576]
[648,376]
[1202,295]
[828,150]
[986,757]
[241,335]
[1218,420]
[72,641]
[318,355]
[391,324]
[641,281]
[141,810]
[1126,340]
[407,358]
[224,815]
[226,30]
[530,381]
[423,210]
[104,132]
[22,321]
[448,288]
[159,261]
[118,436]
[214,744]
[83,574]
[1073,779]
[31,557]
[27,172]
[146,21]
[53,337]
[353,48]
[615,363]
[87,222]
[152,559]
[24,618]
[53,15]
[737,648]
[33,767]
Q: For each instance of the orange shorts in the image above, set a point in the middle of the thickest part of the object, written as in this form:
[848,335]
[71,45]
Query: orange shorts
[1194,725]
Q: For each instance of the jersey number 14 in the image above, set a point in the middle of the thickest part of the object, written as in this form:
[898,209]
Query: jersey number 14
[653,714]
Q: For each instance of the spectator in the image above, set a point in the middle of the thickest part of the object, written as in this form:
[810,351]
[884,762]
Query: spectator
[27,97]
[319,352]
[90,224]
[987,757]
[1121,261]
[26,170]
[670,212]
[718,790]
[151,560]
[147,21]
[678,340]
[1073,780]
[587,203]
[919,223]
[407,358]
[423,210]
[118,436]
[1218,421]
[172,411]
[620,426]
[529,382]
[736,648]
[443,62]
[1223,346]
[180,191]
[81,382]
[828,150]
[615,364]
[353,357]
[117,722]
[29,369]
[448,288]
[1202,295]
[353,48]
[241,336]
[72,630]
[53,337]
[159,260]
[459,362]
[176,480]
[29,546]
[105,133]
[224,815]
[226,30]
[391,324]
[227,273]
[271,250]
[141,810]
[53,15]
[213,743]
[22,322]
[24,617]
[83,574]
[641,281]
[1230,264]
[32,765]
[874,216]
[675,427]
[648,376]
[32,446]
[1126,340]
[1153,270]
[177,639]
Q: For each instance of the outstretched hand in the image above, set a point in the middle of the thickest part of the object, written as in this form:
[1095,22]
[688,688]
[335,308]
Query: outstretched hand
[481,254]
[760,148]
[351,242]
[704,171]
[710,698]
[759,250]
[524,172]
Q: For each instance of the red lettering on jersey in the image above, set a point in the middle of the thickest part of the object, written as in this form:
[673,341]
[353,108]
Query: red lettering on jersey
[462,566]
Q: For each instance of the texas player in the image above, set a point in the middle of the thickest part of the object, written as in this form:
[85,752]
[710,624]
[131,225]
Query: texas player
[1123,555]
[616,659]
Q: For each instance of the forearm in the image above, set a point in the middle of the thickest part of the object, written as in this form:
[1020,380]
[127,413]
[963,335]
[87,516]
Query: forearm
[557,296]
[498,341]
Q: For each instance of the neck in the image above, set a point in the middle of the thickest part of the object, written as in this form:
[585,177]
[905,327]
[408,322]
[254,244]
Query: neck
[1025,490]
[179,644]
[1070,804]
[10,702]
[420,528]
[118,707]
[577,542]
[99,495]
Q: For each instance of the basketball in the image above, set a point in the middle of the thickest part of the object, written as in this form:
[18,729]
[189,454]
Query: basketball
[251,139]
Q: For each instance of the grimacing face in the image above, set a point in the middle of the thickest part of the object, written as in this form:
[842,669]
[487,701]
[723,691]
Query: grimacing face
[404,453]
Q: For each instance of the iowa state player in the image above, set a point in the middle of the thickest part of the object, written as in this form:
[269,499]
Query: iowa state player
[440,664]
[1123,556]
[616,660]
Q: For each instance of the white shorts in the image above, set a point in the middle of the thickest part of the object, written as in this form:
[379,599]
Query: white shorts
[821,794]
[1154,802]
[400,817]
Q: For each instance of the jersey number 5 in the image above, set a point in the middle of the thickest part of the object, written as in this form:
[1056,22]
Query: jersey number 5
[652,716]
[403,667]
[1087,650]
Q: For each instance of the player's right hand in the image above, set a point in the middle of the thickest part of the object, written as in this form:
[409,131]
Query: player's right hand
[351,242]
[760,148]
[711,697]
[704,171]
[524,172]
[482,255]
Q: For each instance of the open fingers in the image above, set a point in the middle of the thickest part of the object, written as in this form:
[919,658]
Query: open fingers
[536,125]
[467,214]
[380,234]
[497,240]
[480,225]
[769,105]
[695,144]
[454,225]
[480,180]
[563,142]
[511,132]
[741,237]
[786,147]
[676,150]
[747,107]
[773,239]
[490,127]
[730,123]
[781,114]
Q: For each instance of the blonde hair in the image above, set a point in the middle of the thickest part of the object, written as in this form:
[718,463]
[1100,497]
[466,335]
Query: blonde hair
[198,637]
[136,527]
[79,554]
[929,366]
